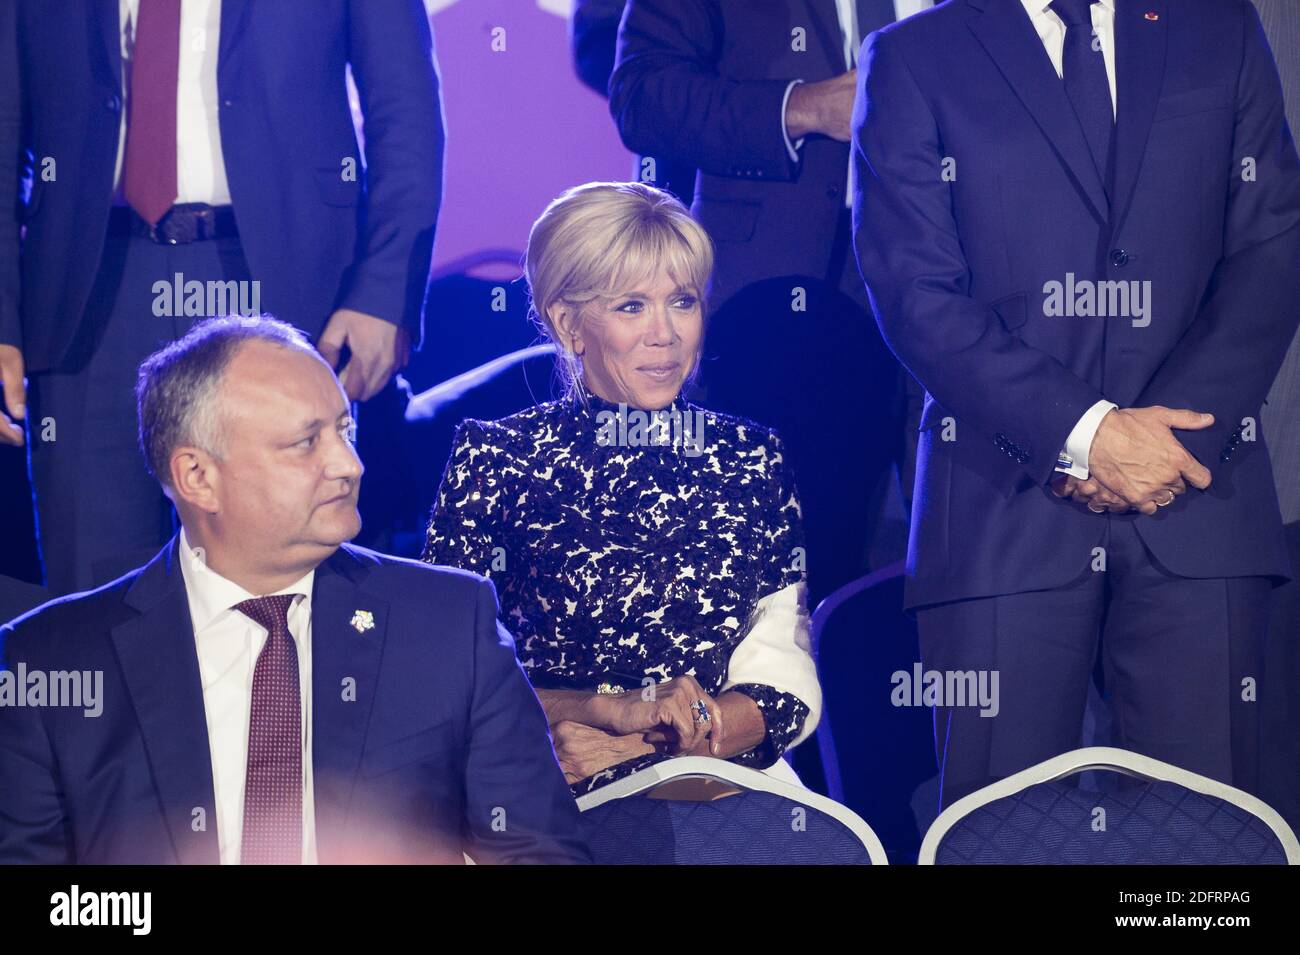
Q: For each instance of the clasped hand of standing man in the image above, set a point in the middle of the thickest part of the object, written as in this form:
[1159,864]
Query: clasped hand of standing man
[1136,463]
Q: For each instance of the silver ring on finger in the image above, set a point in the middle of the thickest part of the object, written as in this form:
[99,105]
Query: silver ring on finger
[700,712]
[1097,510]
[1172,495]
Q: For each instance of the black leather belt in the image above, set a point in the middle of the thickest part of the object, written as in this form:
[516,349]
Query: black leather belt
[183,223]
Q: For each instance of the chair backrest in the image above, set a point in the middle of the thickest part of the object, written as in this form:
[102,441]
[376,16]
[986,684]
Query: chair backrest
[769,822]
[877,751]
[429,402]
[820,618]
[1163,816]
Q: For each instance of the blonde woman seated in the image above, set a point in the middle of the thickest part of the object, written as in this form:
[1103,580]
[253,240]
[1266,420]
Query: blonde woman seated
[647,552]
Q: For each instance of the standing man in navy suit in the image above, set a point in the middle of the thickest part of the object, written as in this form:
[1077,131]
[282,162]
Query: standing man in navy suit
[262,692]
[175,156]
[1079,224]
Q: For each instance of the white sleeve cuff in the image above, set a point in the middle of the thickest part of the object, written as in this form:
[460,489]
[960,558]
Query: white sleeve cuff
[777,652]
[1079,443]
[791,148]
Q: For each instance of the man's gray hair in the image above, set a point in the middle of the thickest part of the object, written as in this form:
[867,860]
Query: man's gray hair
[178,390]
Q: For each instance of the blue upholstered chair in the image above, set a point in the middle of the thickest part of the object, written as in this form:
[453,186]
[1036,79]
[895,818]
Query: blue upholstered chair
[769,822]
[1162,816]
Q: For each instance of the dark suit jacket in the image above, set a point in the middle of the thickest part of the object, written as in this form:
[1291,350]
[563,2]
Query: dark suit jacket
[315,241]
[957,268]
[1281,19]
[701,82]
[593,37]
[444,747]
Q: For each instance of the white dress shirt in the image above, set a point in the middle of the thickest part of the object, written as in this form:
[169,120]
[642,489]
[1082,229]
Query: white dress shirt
[200,166]
[228,644]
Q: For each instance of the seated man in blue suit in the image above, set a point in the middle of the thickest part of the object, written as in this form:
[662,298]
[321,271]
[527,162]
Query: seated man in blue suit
[1080,226]
[264,692]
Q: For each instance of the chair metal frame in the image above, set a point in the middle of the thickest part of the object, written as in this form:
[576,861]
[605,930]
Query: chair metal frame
[828,606]
[706,767]
[1116,760]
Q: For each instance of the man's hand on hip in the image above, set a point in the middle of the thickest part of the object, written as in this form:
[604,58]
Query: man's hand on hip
[378,348]
[15,395]
[1136,456]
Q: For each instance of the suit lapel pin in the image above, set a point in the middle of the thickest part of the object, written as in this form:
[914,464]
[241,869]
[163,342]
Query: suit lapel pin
[1152,16]
[363,620]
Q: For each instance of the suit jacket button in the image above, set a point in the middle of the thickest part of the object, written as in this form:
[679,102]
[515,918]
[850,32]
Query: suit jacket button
[1118,258]
[113,102]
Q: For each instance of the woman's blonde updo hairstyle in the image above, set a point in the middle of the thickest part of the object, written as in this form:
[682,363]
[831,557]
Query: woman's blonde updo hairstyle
[602,239]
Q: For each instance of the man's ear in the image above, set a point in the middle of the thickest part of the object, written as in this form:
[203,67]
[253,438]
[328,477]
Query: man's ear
[195,479]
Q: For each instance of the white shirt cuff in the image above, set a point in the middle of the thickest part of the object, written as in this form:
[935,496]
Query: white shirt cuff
[791,148]
[777,652]
[1079,443]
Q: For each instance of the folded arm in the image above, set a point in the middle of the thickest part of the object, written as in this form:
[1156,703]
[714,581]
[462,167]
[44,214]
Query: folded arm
[668,100]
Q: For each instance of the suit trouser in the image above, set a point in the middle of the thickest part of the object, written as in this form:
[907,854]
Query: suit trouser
[1176,652]
[99,513]
[1280,773]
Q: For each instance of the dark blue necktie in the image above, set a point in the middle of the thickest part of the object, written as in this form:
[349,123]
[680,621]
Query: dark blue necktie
[1086,84]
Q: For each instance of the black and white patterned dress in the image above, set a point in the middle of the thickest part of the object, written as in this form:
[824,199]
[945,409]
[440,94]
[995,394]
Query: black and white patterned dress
[613,562]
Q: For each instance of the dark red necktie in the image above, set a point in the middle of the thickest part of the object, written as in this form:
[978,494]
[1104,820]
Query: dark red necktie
[273,782]
[149,176]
